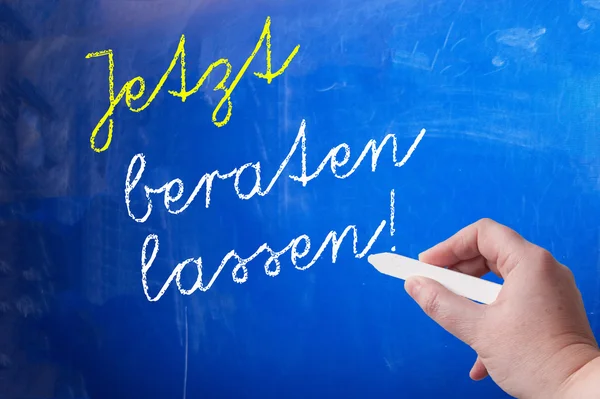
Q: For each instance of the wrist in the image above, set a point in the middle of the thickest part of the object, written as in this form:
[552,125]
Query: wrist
[583,382]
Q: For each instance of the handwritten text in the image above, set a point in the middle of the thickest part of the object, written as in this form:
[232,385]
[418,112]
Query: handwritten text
[135,88]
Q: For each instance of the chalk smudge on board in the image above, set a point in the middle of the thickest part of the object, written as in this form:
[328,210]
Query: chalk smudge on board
[415,59]
[584,24]
[594,4]
[526,39]
[498,61]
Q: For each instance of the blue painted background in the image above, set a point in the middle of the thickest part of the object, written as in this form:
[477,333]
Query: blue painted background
[508,91]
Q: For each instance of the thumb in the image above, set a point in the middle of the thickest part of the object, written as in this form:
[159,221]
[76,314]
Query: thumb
[456,314]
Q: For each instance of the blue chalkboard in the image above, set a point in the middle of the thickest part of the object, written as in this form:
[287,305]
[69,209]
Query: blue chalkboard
[373,126]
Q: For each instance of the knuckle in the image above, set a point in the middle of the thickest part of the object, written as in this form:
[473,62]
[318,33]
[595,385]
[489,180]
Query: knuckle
[543,257]
[431,304]
[568,273]
[543,260]
[485,222]
[463,243]
[491,228]
[511,235]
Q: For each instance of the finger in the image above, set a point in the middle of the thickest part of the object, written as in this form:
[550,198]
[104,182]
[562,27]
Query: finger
[500,246]
[478,371]
[454,313]
[475,267]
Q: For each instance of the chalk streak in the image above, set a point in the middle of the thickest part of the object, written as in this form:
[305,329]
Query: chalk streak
[411,149]
[392,212]
[437,53]
[457,43]
[448,35]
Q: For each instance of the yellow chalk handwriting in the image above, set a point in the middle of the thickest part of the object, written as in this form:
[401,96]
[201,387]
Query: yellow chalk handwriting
[133,93]
[112,101]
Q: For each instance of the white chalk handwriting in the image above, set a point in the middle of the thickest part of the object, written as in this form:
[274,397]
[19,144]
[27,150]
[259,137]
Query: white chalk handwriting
[298,248]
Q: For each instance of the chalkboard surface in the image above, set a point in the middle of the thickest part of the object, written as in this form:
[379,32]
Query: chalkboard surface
[190,189]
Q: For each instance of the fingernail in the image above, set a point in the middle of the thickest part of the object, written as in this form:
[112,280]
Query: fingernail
[413,286]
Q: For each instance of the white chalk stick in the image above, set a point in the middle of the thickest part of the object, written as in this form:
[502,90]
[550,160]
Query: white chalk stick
[401,267]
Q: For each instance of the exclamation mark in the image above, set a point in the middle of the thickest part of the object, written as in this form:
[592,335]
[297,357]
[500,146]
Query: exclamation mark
[392,215]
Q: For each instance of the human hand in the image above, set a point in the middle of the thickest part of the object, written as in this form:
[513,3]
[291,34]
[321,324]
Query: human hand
[535,339]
